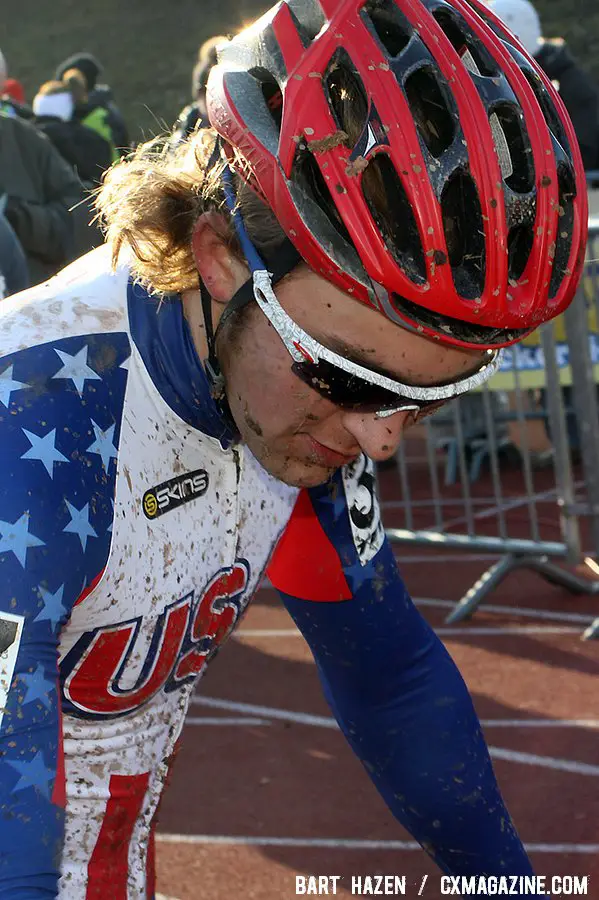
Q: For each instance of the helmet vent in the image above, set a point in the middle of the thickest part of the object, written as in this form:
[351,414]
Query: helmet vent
[271,92]
[464,234]
[484,335]
[308,177]
[519,245]
[390,25]
[549,111]
[430,110]
[508,133]
[391,210]
[346,95]
[464,41]
[565,227]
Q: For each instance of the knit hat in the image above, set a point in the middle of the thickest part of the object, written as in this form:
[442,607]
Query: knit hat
[522,19]
[14,89]
[86,63]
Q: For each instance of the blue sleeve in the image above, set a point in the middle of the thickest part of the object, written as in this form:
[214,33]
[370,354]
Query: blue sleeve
[392,686]
[57,474]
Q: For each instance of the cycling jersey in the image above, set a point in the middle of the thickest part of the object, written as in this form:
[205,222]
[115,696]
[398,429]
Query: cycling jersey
[133,531]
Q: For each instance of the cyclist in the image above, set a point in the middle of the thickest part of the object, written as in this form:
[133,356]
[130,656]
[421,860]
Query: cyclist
[395,193]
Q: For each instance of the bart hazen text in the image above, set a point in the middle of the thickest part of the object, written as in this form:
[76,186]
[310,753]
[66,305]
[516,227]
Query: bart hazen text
[361,885]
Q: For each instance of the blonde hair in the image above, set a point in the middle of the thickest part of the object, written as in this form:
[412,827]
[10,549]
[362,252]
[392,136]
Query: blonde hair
[75,81]
[49,88]
[72,83]
[150,202]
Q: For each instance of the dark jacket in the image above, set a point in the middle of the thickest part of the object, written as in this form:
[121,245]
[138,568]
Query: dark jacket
[10,107]
[13,265]
[579,93]
[41,188]
[82,148]
[100,95]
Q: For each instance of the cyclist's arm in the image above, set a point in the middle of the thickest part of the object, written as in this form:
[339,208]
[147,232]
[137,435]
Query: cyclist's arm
[33,606]
[393,688]
[55,515]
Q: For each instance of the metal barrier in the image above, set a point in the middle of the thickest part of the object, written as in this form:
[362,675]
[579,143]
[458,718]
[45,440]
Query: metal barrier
[494,498]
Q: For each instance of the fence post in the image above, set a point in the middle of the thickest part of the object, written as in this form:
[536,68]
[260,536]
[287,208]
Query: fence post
[584,397]
[561,448]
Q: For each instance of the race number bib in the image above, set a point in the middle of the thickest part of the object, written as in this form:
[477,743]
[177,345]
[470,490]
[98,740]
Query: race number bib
[364,513]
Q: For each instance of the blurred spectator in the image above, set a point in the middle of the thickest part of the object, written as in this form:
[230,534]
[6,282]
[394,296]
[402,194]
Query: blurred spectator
[99,111]
[195,114]
[41,188]
[14,90]
[12,95]
[82,147]
[576,87]
[13,265]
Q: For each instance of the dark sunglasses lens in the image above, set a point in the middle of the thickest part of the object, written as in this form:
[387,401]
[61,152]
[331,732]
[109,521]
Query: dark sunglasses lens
[349,391]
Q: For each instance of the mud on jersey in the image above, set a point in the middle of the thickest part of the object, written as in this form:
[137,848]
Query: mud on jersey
[130,544]
[133,532]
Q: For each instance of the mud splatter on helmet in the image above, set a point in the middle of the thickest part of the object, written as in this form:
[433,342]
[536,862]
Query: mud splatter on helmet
[416,157]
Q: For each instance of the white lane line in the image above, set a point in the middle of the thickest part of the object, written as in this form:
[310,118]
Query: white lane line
[532,759]
[341,843]
[224,720]
[266,712]
[541,723]
[510,610]
[547,762]
[457,631]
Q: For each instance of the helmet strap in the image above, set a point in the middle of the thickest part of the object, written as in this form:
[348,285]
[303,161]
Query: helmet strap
[279,263]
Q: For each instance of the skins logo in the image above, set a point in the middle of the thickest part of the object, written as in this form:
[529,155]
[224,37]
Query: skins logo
[186,636]
[174,492]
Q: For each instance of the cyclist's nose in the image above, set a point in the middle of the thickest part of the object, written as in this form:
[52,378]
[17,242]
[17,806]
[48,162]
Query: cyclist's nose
[378,438]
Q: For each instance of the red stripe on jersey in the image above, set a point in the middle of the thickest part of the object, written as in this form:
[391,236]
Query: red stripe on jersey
[59,791]
[108,867]
[305,564]
[87,590]
[151,863]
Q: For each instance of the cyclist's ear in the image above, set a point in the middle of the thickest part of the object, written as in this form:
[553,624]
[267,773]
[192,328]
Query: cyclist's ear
[219,267]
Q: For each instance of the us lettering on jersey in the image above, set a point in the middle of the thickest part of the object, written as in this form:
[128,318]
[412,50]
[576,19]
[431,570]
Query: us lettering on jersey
[364,513]
[11,631]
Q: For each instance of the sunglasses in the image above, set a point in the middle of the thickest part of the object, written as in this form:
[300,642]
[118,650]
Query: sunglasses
[348,384]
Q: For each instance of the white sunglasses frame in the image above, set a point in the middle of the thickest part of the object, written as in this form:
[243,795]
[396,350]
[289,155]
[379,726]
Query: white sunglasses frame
[304,348]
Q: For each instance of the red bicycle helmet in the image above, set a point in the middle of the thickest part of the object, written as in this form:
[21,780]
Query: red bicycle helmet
[460,209]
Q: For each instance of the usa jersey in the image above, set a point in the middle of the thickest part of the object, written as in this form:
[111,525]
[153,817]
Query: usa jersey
[134,530]
[130,544]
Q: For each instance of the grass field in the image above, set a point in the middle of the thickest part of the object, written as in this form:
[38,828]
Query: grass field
[148,46]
